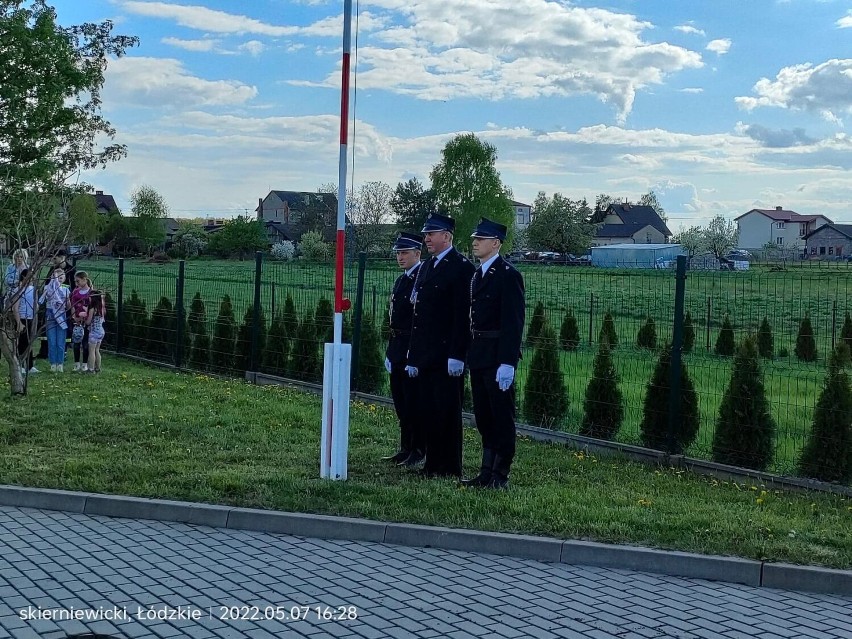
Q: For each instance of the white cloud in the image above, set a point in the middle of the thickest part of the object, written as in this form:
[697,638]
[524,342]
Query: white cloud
[204,19]
[205,45]
[158,82]
[845,22]
[252,47]
[720,46]
[688,28]
[824,89]
[496,49]
[691,90]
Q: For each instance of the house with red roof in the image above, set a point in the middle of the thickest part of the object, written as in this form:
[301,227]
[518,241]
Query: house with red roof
[785,229]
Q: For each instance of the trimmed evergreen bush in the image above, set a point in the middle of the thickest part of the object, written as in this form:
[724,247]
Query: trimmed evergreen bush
[688,333]
[654,427]
[291,318]
[110,316]
[242,351]
[806,349]
[828,452]
[135,323]
[765,340]
[305,359]
[224,331]
[725,343]
[783,352]
[745,430]
[324,321]
[545,395]
[536,323]
[198,338]
[647,336]
[603,409]
[608,331]
[161,331]
[569,333]
[277,353]
[197,314]
[846,331]
[371,366]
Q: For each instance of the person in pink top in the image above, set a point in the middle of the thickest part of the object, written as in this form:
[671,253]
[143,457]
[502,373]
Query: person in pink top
[80,300]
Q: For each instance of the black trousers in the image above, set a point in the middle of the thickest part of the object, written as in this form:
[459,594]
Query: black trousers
[495,412]
[406,402]
[24,338]
[440,408]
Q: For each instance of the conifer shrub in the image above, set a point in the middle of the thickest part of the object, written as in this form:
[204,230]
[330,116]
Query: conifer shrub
[806,350]
[242,350]
[110,316]
[765,340]
[135,324]
[198,338]
[688,333]
[545,395]
[291,317]
[846,331]
[828,452]
[161,331]
[371,367]
[305,359]
[324,321]
[647,336]
[725,343]
[745,430]
[603,409]
[569,332]
[654,427]
[536,323]
[607,331]
[276,355]
[224,332]
[197,314]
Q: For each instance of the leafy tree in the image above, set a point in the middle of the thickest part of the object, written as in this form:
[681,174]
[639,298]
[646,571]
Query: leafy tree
[603,409]
[224,331]
[412,203]
[369,212]
[371,368]
[161,330]
[828,452]
[608,331]
[654,427]
[846,331]
[313,248]
[190,241]
[536,323]
[149,209]
[647,336]
[86,222]
[569,333]
[242,352]
[765,341]
[688,333]
[135,323]
[241,236]
[720,236]
[561,224]
[650,199]
[467,184]
[725,343]
[745,430]
[324,320]
[305,364]
[116,229]
[277,353]
[692,240]
[806,349]
[545,393]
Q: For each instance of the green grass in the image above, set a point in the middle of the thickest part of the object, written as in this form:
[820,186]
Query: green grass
[148,432]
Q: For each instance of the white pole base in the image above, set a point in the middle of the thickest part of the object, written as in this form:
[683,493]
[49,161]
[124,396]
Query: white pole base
[334,444]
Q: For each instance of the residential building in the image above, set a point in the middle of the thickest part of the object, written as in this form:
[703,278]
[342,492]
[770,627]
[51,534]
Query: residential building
[523,214]
[295,211]
[785,229]
[105,203]
[829,241]
[625,223]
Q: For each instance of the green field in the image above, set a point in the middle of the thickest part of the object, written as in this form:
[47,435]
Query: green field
[630,294]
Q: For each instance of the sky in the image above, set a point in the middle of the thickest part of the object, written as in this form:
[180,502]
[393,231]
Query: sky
[718,106]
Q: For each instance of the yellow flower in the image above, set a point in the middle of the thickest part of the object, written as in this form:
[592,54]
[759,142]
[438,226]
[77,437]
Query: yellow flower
[759,501]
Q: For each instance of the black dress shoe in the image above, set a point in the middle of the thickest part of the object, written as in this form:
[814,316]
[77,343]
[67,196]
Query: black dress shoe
[480,481]
[499,483]
[412,459]
[397,457]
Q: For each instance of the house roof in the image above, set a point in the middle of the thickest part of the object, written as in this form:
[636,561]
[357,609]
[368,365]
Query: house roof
[170,224]
[516,204]
[105,201]
[843,229]
[635,216]
[297,199]
[782,215]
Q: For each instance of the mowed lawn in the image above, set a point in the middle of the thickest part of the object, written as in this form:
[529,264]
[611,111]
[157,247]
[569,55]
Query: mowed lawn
[144,431]
[632,295]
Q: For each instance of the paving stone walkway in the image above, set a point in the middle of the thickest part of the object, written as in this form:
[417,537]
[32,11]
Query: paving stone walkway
[146,579]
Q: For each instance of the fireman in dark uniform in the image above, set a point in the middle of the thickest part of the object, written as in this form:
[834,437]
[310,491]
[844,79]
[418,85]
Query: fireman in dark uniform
[496,322]
[412,443]
[440,336]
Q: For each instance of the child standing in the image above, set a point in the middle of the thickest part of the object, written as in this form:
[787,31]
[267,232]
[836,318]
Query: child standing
[95,320]
[24,312]
[56,299]
[80,299]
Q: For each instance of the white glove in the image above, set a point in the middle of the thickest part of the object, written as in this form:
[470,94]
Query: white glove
[455,367]
[505,376]
[387,365]
[412,371]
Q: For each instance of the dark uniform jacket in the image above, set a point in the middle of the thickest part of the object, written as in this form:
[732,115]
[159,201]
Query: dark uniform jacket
[401,313]
[441,326]
[496,316]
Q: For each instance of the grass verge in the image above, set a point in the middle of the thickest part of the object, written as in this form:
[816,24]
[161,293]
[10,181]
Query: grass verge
[136,430]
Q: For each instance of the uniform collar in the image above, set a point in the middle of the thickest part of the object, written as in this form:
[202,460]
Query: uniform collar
[487,263]
[410,271]
[442,255]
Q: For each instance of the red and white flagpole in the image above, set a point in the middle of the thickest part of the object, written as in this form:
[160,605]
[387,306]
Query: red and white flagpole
[334,446]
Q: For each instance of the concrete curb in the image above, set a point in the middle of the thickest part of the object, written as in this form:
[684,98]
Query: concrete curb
[680,564]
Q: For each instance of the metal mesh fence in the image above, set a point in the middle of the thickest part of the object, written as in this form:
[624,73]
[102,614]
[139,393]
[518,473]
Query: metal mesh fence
[564,380]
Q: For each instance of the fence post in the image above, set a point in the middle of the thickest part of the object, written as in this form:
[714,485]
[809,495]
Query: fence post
[591,316]
[119,307]
[359,311]
[677,350]
[180,314]
[833,323]
[272,311]
[255,322]
[709,304]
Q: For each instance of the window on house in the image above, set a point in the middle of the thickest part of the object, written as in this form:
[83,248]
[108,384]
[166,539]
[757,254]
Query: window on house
[803,228]
[813,250]
[647,238]
[822,250]
[831,250]
[520,218]
[779,240]
[781,225]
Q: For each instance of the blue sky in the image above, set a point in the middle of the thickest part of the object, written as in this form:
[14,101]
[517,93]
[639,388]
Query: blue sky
[718,106]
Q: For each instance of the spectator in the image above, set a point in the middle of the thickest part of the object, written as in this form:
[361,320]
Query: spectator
[80,298]
[56,300]
[24,311]
[13,271]
[95,321]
